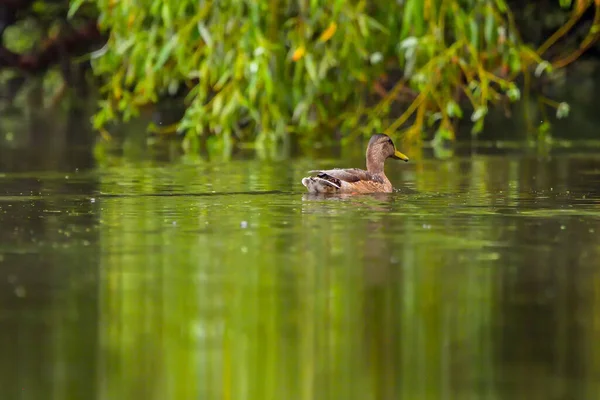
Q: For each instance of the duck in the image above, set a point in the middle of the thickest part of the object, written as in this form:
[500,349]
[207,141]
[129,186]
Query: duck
[355,180]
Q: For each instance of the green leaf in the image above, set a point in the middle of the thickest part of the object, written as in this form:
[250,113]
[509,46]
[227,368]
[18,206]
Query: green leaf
[123,46]
[206,36]
[230,108]
[490,24]
[407,16]
[513,93]
[74,7]
[409,43]
[479,113]
[474,29]
[311,68]
[473,85]
[165,52]
[541,67]
[544,128]
[440,143]
[217,104]
[166,15]
[501,5]
[514,60]
[453,109]
[477,127]
[376,58]
[433,118]
[300,109]
[565,3]
[373,23]
[444,134]
[362,26]
[219,84]
[324,67]
[563,110]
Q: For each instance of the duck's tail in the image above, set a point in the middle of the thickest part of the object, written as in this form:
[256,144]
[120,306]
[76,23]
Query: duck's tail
[315,184]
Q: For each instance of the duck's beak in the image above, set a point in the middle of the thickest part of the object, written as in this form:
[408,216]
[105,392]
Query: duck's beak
[399,156]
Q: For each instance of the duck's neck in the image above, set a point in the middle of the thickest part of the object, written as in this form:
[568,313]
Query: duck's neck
[374,164]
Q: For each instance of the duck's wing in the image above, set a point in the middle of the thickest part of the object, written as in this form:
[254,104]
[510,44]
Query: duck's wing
[348,180]
[350,175]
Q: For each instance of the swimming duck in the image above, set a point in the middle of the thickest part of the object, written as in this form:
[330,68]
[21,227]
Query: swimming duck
[354,180]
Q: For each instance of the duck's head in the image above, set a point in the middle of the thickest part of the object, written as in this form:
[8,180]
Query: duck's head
[380,148]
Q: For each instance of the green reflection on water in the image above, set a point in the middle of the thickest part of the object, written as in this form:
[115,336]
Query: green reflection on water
[156,283]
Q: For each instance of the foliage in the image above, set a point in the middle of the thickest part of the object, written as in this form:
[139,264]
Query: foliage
[40,52]
[257,70]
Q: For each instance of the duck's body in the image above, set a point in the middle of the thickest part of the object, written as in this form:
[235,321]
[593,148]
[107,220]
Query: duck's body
[354,180]
[350,180]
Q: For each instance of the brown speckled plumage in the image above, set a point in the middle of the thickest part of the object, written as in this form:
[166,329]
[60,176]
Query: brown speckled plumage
[354,180]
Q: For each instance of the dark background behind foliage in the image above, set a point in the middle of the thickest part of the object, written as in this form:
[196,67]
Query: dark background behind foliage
[46,69]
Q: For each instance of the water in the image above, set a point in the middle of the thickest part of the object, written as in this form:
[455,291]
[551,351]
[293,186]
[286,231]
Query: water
[227,281]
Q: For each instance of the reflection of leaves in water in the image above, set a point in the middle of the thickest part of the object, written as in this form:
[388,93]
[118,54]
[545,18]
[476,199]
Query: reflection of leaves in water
[551,213]
[227,280]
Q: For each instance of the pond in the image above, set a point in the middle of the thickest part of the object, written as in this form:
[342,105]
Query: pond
[479,280]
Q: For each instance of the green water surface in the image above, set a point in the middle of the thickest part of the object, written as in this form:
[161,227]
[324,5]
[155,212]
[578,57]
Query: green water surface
[226,281]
